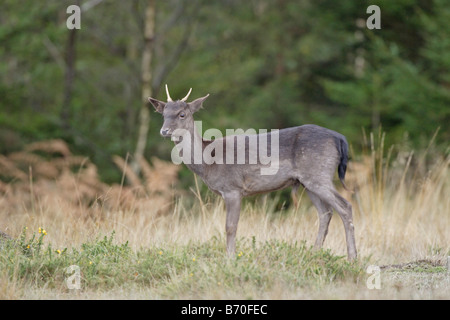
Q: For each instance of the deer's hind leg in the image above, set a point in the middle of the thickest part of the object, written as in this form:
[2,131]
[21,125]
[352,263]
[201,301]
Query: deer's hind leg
[325,213]
[331,198]
[294,194]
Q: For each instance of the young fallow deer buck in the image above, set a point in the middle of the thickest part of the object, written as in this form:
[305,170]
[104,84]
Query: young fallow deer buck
[308,155]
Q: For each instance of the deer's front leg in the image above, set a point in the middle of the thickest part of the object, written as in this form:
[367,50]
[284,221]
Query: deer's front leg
[233,206]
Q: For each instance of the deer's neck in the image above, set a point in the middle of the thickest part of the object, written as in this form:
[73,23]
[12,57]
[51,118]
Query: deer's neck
[195,159]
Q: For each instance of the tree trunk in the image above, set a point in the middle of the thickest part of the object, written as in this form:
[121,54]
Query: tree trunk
[144,116]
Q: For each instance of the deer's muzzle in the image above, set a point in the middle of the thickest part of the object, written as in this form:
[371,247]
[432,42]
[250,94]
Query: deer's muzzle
[165,132]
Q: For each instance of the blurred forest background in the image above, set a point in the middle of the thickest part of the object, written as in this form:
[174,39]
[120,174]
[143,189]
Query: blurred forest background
[265,63]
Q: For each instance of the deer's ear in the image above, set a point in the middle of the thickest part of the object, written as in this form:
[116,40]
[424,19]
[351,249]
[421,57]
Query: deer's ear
[159,105]
[195,105]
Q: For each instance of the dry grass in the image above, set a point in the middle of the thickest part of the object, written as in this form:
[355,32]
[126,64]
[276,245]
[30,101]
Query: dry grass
[401,214]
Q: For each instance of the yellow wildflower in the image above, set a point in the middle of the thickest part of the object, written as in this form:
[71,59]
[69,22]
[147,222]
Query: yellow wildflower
[58,251]
[40,230]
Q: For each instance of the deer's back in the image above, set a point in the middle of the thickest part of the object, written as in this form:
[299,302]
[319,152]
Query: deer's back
[306,154]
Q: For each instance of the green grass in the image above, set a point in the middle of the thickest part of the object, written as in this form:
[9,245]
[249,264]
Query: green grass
[420,266]
[192,270]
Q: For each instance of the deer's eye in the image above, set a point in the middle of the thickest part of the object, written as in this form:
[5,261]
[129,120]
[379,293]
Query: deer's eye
[182,115]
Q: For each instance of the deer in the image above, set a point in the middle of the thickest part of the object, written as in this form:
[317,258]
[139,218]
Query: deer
[308,156]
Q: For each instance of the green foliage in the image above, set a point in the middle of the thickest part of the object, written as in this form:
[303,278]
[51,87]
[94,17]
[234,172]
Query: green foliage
[266,64]
[102,261]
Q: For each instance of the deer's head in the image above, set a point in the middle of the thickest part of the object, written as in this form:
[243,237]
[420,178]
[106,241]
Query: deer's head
[177,114]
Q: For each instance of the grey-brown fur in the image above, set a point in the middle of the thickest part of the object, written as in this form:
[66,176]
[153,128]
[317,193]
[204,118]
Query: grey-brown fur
[308,155]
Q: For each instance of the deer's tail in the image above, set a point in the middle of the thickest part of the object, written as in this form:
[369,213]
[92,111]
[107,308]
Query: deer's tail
[342,146]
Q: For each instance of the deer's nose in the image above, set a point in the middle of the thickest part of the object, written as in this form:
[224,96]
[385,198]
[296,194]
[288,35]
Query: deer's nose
[165,132]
